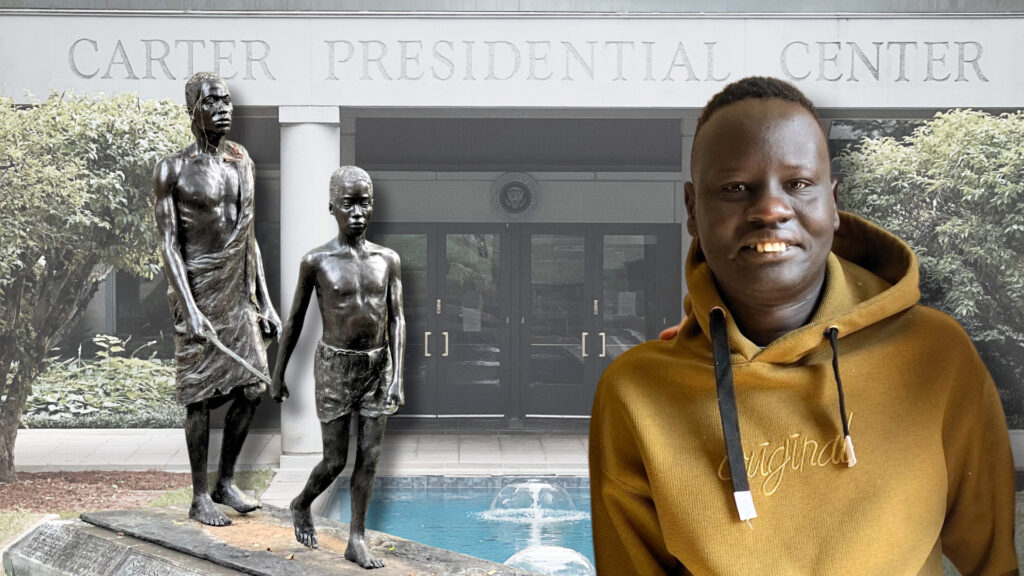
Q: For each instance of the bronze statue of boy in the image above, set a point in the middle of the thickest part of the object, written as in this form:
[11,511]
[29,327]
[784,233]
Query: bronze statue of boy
[223,315]
[359,291]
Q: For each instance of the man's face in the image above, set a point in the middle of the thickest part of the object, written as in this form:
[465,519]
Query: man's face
[353,207]
[213,109]
[762,200]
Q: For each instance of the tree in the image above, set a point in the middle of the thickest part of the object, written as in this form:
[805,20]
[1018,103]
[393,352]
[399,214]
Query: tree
[954,190]
[76,203]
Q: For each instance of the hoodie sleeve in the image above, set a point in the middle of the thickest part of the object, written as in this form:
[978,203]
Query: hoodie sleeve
[977,535]
[627,535]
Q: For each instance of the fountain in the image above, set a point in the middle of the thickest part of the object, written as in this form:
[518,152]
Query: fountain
[533,501]
[552,561]
[538,504]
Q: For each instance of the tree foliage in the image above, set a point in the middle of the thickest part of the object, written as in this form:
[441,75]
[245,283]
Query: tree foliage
[75,202]
[954,190]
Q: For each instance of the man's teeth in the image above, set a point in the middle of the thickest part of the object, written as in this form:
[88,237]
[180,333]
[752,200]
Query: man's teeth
[772,246]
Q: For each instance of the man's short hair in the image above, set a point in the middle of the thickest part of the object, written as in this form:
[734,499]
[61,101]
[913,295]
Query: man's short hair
[346,176]
[193,85]
[762,87]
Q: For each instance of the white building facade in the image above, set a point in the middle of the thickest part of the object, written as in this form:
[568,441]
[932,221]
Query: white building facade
[528,157]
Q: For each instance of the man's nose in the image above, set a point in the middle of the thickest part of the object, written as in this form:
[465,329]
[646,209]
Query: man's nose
[770,205]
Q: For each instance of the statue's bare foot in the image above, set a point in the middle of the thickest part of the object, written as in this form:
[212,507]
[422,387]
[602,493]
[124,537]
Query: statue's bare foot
[229,495]
[360,554]
[204,510]
[305,533]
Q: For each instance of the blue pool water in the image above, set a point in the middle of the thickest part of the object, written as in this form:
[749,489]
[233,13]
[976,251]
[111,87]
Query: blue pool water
[454,513]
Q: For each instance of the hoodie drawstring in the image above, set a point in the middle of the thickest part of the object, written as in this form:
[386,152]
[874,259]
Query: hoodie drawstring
[730,417]
[833,338]
[728,411]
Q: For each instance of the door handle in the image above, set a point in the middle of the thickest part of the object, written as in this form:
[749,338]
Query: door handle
[426,344]
[445,353]
[583,339]
[603,351]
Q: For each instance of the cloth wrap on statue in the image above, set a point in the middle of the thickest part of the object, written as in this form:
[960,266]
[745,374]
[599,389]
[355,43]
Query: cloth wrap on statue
[351,380]
[224,288]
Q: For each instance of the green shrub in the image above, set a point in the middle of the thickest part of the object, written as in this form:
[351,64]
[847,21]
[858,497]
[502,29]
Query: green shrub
[111,391]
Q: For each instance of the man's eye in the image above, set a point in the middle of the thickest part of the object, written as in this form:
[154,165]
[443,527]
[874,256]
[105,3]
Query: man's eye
[736,187]
[799,184]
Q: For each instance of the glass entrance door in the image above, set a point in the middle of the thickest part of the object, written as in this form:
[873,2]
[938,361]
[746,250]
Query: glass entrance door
[590,293]
[473,300]
[456,301]
[413,243]
[557,322]
[562,300]
[634,290]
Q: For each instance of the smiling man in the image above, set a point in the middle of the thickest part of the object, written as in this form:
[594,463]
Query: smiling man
[729,449]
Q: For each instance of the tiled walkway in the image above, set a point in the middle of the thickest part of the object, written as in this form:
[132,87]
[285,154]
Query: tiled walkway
[128,449]
[519,454]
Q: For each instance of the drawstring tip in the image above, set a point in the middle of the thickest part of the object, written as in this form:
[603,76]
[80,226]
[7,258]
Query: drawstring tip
[745,505]
[851,458]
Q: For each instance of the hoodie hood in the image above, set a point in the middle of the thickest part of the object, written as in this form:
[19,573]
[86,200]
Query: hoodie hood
[871,275]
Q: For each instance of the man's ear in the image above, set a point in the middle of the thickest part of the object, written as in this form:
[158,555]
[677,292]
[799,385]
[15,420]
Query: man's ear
[689,199]
[835,204]
[330,207]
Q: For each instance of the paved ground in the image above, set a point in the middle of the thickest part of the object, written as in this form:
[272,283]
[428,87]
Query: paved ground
[402,455]
[128,449]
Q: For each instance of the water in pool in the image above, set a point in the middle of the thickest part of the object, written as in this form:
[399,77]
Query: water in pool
[491,518]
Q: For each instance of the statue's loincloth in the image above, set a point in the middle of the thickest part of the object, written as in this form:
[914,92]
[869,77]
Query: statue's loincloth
[223,286]
[204,372]
[351,380]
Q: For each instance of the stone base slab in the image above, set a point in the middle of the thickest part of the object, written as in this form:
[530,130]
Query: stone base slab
[164,542]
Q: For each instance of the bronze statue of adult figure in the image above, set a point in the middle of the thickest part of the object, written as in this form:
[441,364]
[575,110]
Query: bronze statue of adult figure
[359,290]
[217,290]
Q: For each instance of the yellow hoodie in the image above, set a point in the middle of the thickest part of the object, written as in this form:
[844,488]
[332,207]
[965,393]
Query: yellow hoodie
[934,473]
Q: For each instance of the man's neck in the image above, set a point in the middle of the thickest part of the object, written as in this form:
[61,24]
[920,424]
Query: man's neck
[763,320]
[208,142]
[355,242]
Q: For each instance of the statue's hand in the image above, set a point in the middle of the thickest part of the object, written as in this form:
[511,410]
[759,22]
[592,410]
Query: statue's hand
[270,327]
[199,327]
[396,398]
[278,390]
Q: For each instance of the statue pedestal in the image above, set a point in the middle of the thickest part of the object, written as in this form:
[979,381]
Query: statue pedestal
[164,542]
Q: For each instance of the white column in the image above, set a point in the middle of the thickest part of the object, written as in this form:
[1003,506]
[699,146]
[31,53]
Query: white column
[310,151]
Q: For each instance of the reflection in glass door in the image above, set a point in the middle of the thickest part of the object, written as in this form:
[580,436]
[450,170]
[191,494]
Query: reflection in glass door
[592,292]
[629,283]
[557,325]
[455,284]
[473,337]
